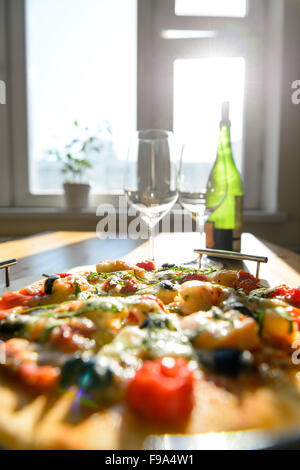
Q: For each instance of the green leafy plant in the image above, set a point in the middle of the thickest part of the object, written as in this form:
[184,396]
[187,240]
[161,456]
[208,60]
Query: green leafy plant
[75,156]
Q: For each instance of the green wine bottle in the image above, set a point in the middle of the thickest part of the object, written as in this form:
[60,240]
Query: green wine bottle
[224,199]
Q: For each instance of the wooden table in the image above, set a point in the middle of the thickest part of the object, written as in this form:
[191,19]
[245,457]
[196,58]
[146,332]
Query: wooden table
[60,251]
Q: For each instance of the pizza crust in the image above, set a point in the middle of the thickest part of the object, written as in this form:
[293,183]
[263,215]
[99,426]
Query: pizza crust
[49,422]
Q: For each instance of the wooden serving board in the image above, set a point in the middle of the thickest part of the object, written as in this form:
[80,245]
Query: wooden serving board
[68,253]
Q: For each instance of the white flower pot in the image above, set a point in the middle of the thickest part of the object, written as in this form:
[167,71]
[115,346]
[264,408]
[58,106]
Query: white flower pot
[77,195]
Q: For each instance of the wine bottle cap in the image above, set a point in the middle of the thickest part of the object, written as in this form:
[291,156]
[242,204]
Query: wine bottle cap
[225,111]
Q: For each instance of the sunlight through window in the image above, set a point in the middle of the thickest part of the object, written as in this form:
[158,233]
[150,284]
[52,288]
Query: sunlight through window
[233,8]
[200,86]
[81,65]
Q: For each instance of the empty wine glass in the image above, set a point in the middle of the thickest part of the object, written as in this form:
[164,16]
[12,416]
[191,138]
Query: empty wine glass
[151,177]
[192,187]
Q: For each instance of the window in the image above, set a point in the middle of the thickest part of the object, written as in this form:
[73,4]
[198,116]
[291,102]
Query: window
[198,94]
[4,149]
[229,8]
[206,53]
[118,65]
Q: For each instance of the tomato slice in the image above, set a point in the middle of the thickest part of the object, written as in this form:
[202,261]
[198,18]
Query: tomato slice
[21,298]
[292,296]
[246,281]
[62,275]
[14,299]
[109,284]
[132,319]
[40,377]
[195,277]
[279,291]
[162,390]
[130,286]
[147,265]
[33,291]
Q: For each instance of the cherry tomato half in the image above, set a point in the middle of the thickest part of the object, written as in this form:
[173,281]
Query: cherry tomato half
[246,281]
[292,296]
[162,390]
[147,265]
[194,277]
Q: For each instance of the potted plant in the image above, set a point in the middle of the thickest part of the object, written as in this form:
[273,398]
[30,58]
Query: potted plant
[75,163]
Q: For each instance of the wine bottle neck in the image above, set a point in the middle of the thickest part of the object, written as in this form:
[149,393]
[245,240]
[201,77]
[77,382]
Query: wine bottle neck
[225,123]
[224,137]
[224,147]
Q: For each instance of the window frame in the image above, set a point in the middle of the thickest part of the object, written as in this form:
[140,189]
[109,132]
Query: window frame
[155,57]
[22,196]
[5,180]
[160,73]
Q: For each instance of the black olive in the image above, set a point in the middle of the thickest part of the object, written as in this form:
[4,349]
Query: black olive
[244,310]
[13,326]
[90,374]
[146,323]
[70,370]
[49,283]
[166,285]
[226,361]
[168,266]
[95,375]
[240,307]
[155,321]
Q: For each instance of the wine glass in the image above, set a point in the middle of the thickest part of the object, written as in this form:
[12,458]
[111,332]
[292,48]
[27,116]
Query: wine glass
[193,179]
[151,177]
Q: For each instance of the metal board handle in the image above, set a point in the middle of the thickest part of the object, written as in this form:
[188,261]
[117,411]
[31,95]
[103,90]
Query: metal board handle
[231,255]
[6,265]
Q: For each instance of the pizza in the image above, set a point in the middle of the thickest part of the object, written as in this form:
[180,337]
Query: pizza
[103,358]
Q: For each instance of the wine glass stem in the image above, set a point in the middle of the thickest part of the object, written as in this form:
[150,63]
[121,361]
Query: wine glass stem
[151,241]
[201,223]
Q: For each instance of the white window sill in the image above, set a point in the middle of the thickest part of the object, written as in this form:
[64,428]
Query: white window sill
[45,212]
